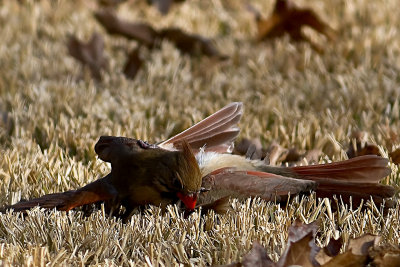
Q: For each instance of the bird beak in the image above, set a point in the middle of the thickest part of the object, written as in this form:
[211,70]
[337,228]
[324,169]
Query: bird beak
[188,200]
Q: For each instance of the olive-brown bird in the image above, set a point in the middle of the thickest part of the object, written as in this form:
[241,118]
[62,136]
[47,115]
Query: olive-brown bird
[197,167]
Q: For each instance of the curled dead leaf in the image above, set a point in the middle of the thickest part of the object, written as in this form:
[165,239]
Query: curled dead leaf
[395,156]
[359,145]
[192,44]
[288,18]
[145,34]
[252,149]
[133,64]
[301,250]
[275,153]
[140,32]
[89,54]
[164,5]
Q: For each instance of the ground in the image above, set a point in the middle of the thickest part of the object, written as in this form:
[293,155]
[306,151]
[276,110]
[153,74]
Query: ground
[52,114]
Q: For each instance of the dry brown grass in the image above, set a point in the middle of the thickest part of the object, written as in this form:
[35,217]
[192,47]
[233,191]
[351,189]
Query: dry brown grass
[291,94]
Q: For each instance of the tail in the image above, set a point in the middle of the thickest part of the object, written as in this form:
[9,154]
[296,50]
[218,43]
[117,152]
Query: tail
[97,191]
[363,169]
[357,192]
[357,178]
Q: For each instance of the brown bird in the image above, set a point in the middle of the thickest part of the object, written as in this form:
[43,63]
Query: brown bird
[196,167]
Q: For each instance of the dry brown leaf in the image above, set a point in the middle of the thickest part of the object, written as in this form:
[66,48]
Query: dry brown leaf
[193,44]
[312,156]
[301,248]
[359,145]
[386,255]
[347,259]
[164,5]
[330,251]
[7,123]
[395,156]
[220,206]
[257,256]
[275,153]
[89,54]
[357,253]
[111,3]
[287,18]
[133,64]
[145,34]
[140,32]
[360,245]
[252,149]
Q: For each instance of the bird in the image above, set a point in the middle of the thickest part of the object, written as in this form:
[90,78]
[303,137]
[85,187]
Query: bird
[197,167]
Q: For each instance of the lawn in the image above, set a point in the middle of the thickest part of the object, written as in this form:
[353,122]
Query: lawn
[52,113]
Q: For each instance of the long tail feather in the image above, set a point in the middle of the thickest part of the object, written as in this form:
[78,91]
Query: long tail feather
[97,191]
[357,191]
[217,132]
[363,169]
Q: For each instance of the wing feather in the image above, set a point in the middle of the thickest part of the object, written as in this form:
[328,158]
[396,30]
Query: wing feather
[243,184]
[99,190]
[217,132]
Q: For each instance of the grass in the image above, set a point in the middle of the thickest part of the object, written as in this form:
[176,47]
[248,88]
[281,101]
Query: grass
[52,113]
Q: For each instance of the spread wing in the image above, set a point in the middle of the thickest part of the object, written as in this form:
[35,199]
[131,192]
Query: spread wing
[243,184]
[216,132]
[99,190]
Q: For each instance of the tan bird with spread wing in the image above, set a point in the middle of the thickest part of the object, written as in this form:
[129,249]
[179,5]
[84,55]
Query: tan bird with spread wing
[197,167]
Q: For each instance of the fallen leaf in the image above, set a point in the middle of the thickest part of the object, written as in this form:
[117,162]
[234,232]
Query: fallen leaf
[7,125]
[359,145]
[386,255]
[333,247]
[390,134]
[287,18]
[133,64]
[312,156]
[252,149]
[293,155]
[164,5]
[360,245]
[275,153]
[191,43]
[301,248]
[111,3]
[257,256]
[220,206]
[89,54]
[140,32]
[395,156]
[347,259]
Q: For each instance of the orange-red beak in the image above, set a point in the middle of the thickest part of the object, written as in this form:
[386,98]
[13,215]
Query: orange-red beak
[188,200]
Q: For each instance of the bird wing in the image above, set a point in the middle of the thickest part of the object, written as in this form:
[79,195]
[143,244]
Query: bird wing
[243,184]
[216,132]
[99,190]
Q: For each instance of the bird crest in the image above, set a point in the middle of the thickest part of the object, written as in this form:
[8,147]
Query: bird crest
[189,172]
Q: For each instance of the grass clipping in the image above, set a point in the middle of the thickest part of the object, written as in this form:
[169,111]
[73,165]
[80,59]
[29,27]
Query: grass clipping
[52,113]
